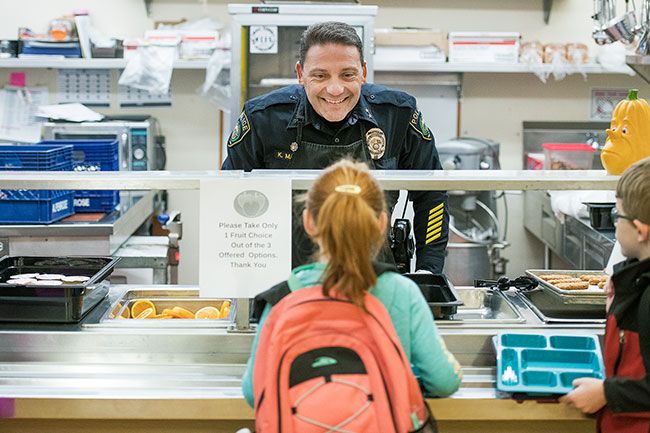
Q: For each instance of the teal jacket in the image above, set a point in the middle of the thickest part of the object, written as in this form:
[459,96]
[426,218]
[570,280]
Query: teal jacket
[411,316]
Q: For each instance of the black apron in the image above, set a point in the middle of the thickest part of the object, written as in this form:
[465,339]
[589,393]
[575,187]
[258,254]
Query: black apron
[310,156]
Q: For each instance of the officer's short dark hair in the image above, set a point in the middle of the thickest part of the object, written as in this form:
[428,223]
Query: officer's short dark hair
[329,32]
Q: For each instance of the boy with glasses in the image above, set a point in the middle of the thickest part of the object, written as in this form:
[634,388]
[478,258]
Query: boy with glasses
[623,398]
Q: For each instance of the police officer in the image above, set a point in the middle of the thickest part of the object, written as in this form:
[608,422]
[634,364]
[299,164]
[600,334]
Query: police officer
[332,113]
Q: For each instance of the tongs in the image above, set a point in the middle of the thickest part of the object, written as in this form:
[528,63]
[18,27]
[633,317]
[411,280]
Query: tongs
[523,283]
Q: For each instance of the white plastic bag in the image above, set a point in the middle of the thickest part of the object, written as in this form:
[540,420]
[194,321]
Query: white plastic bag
[150,69]
[216,87]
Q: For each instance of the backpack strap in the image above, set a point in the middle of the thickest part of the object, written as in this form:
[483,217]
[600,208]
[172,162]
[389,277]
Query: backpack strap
[644,323]
[271,296]
[275,294]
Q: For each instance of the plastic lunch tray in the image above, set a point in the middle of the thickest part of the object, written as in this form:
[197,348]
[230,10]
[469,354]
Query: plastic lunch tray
[545,364]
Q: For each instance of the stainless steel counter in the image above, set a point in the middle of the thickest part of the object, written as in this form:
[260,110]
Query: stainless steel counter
[97,378]
[93,359]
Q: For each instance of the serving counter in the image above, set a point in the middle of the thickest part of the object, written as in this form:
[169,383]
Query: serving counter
[102,378]
[94,376]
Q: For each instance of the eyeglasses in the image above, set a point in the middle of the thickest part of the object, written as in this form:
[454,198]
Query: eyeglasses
[615,216]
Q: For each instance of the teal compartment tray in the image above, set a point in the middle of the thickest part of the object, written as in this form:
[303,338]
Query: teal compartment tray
[545,364]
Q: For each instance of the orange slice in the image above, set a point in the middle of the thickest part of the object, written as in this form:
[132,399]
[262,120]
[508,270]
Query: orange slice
[145,314]
[208,312]
[183,313]
[140,305]
[169,312]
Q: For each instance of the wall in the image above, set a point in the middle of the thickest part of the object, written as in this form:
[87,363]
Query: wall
[493,105]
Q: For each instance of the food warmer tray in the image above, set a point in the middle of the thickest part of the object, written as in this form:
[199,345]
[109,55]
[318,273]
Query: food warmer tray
[67,303]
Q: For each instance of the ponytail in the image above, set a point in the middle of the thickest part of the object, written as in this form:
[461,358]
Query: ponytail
[346,204]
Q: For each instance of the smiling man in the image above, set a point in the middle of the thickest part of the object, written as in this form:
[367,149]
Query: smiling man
[333,113]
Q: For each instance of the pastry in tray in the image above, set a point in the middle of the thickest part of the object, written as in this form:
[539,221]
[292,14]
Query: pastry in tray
[573,285]
[575,280]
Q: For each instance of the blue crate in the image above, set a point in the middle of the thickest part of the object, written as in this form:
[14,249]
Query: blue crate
[35,157]
[37,211]
[94,155]
[91,155]
[35,206]
[96,201]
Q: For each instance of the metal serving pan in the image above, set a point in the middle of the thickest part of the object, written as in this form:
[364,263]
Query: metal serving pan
[62,303]
[185,298]
[593,295]
[553,308]
[440,294]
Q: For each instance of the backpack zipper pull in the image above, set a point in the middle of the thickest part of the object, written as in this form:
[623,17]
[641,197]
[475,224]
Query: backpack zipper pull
[415,420]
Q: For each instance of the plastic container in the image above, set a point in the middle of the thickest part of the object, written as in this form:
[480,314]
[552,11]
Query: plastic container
[26,207]
[600,215]
[35,206]
[535,161]
[439,293]
[568,156]
[543,364]
[93,155]
[52,303]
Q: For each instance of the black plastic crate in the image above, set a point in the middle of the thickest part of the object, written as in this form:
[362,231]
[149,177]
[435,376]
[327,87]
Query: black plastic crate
[52,303]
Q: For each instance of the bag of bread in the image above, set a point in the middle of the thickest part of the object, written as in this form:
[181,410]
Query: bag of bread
[554,53]
[531,52]
[577,53]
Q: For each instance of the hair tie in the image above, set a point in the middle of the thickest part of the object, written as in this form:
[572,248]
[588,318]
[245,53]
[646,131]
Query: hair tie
[348,189]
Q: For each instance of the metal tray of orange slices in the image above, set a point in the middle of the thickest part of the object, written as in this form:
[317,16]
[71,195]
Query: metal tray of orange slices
[147,308]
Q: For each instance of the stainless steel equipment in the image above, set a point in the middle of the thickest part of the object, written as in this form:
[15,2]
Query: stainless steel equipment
[265,43]
[610,27]
[141,145]
[475,238]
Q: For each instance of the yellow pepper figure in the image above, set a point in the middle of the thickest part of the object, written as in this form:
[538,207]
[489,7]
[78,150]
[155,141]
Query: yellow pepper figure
[628,138]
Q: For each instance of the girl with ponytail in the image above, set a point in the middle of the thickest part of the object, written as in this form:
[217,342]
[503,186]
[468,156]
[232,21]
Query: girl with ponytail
[345,215]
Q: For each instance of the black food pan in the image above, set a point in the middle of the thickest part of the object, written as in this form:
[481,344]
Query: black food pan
[600,215]
[439,293]
[51,303]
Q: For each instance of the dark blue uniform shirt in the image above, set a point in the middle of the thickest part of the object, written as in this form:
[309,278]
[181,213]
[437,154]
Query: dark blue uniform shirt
[269,124]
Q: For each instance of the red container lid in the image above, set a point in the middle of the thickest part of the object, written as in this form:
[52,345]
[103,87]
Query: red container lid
[569,147]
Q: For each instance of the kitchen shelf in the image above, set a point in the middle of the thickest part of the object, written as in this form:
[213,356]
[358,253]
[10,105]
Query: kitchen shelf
[379,66]
[51,63]
[517,68]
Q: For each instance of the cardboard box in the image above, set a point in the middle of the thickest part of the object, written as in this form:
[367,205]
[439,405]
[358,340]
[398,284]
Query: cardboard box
[484,47]
[411,37]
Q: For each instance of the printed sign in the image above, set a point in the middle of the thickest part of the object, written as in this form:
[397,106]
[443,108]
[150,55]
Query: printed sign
[263,39]
[245,236]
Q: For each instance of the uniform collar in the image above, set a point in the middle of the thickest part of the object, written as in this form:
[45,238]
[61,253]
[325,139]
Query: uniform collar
[305,112]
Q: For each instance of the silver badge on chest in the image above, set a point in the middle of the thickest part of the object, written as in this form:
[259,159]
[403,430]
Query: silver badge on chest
[376,141]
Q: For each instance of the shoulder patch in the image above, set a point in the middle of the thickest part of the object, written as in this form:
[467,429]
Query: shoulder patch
[417,123]
[242,128]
